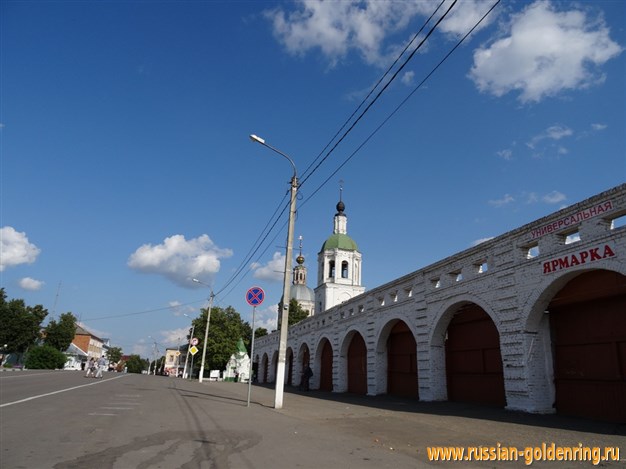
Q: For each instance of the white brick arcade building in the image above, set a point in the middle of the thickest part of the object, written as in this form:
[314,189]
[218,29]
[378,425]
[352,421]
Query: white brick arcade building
[533,320]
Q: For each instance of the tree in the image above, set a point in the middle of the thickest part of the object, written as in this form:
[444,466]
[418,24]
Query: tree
[21,324]
[225,329]
[296,313]
[45,357]
[135,364]
[114,354]
[260,332]
[60,334]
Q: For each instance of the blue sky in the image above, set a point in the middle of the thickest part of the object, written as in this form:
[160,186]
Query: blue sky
[126,167]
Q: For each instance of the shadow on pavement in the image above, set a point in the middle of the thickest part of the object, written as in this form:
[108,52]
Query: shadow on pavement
[468,410]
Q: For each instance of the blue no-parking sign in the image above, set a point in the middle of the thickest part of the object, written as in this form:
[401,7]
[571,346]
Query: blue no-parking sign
[255,296]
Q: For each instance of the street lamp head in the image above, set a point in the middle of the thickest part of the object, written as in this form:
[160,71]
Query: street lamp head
[195,280]
[254,138]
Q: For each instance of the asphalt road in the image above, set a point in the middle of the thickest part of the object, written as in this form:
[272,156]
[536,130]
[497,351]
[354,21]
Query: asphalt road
[62,420]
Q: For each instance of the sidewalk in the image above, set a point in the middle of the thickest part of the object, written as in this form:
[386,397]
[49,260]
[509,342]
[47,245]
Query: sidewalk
[397,425]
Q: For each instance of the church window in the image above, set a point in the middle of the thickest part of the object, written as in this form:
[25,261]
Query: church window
[331,269]
[344,269]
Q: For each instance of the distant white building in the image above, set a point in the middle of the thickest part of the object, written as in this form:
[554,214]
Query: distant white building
[300,291]
[238,367]
[75,357]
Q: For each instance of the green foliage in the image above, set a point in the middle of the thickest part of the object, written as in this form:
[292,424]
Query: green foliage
[296,313]
[114,354]
[260,332]
[60,334]
[225,329]
[135,364]
[45,357]
[21,324]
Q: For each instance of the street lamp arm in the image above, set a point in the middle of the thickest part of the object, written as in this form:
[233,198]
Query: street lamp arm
[257,139]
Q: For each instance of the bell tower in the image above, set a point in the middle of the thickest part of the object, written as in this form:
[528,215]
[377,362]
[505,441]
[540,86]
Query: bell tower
[338,265]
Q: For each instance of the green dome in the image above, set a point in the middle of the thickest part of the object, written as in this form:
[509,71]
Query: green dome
[340,241]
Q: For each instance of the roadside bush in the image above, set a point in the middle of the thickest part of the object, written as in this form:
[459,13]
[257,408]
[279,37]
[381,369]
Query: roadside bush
[45,357]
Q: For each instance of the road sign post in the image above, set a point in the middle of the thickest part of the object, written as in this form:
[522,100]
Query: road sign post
[254,297]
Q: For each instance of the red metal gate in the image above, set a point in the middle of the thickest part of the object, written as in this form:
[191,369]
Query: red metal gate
[588,324]
[402,362]
[473,359]
[326,372]
[357,365]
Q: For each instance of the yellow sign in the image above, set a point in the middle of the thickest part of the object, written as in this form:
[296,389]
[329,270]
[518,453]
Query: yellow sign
[193,350]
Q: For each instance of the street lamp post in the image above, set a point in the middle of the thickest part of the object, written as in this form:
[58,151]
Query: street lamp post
[206,330]
[284,317]
[154,354]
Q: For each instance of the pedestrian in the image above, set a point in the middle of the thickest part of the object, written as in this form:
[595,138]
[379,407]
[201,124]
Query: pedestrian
[102,363]
[91,367]
[306,377]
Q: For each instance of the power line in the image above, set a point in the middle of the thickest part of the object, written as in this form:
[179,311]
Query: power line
[137,313]
[384,88]
[374,87]
[402,103]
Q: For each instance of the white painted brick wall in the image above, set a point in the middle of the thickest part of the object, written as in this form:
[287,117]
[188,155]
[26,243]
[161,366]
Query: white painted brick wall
[514,291]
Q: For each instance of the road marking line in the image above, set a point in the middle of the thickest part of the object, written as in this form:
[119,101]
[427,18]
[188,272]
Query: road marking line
[18,374]
[108,415]
[57,392]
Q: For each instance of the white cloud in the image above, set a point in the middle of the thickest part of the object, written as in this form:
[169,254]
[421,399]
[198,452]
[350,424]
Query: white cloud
[179,309]
[266,318]
[15,249]
[507,199]
[408,78]
[180,260]
[336,28]
[506,154]
[553,197]
[143,350]
[465,15]
[272,271]
[598,127]
[554,132]
[172,338]
[544,53]
[31,284]
[481,240]
[532,198]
